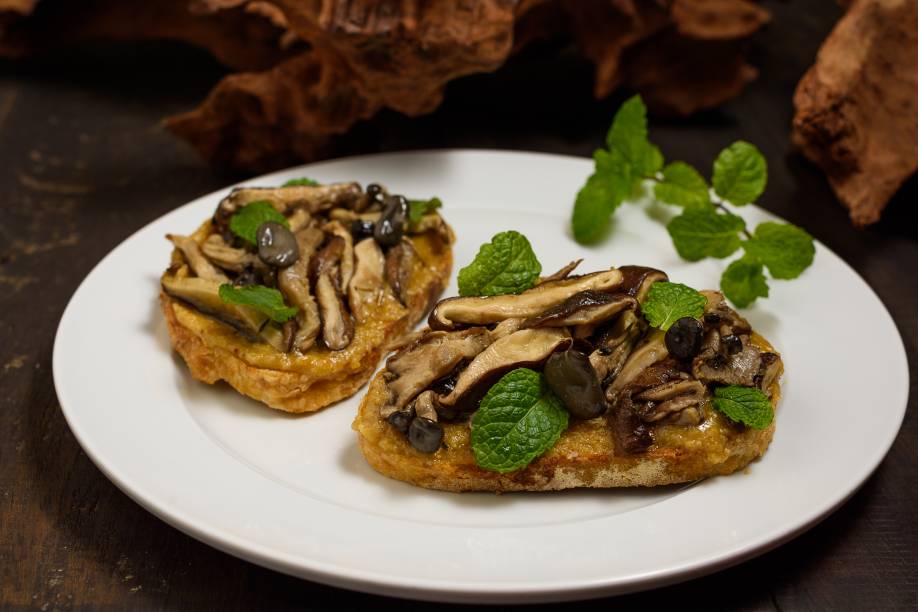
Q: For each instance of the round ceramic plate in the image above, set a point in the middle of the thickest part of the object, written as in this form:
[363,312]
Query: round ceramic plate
[293,492]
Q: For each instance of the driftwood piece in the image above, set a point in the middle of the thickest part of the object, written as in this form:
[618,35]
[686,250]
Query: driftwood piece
[857,107]
[310,70]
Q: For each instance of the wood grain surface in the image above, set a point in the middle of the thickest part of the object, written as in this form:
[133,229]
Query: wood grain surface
[85,164]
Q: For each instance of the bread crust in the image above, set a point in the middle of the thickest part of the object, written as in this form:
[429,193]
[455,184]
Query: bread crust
[310,381]
[583,457]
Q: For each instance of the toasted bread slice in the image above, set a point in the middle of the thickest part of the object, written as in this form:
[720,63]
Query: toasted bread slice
[588,453]
[305,381]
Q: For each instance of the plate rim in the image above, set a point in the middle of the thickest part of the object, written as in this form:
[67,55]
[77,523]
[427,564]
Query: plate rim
[427,589]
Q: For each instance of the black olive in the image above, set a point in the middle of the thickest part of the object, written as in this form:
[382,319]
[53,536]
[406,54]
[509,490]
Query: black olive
[276,244]
[683,338]
[400,420]
[362,228]
[425,435]
[732,344]
[391,225]
[573,379]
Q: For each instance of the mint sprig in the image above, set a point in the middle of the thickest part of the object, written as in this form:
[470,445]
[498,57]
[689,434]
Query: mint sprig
[507,264]
[745,405]
[248,219]
[419,208]
[707,227]
[518,420]
[266,300]
[667,302]
[301,182]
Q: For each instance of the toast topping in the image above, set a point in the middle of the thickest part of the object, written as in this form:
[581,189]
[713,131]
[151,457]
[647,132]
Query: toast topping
[296,245]
[598,352]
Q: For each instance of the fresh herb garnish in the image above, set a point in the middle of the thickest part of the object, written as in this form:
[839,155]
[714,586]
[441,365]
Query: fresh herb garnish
[507,264]
[706,227]
[666,303]
[745,405]
[248,219]
[419,208]
[518,420]
[301,182]
[266,300]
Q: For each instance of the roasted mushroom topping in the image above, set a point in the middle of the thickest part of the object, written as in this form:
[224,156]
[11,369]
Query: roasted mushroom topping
[346,260]
[562,273]
[203,294]
[276,245]
[526,347]
[649,352]
[293,281]
[196,259]
[391,225]
[235,260]
[636,280]
[572,378]
[669,398]
[367,286]
[683,338]
[284,199]
[337,326]
[614,344]
[748,368]
[584,308]
[398,268]
[435,355]
[452,312]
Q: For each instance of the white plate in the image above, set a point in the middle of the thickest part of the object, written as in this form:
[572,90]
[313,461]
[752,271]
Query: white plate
[294,494]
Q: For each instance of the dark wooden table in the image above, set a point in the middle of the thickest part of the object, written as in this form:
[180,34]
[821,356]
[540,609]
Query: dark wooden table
[85,164]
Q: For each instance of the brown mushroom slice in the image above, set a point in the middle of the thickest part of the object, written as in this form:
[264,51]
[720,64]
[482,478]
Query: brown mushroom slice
[652,350]
[293,281]
[432,222]
[196,260]
[348,216]
[433,356]
[669,398]
[452,312]
[615,345]
[562,273]
[326,258]
[299,219]
[204,295]
[505,328]
[584,308]
[718,315]
[346,260]
[425,405]
[398,268]
[337,326]
[629,433]
[313,198]
[746,368]
[227,257]
[524,348]
[636,280]
[367,286]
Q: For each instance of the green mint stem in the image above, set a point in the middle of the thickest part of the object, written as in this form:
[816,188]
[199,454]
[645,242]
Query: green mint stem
[727,210]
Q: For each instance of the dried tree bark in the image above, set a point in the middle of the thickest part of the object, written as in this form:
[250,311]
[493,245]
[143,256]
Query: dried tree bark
[857,107]
[312,68]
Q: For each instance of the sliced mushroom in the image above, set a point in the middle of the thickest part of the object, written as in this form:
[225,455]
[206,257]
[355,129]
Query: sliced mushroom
[769,370]
[227,257]
[636,280]
[337,326]
[615,344]
[505,328]
[630,434]
[199,264]
[584,308]
[669,398]
[451,312]
[425,405]
[299,219]
[748,368]
[436,354]
[718,315]
[432,222]
[285,199]
[562,273]
[524,348]
[346,265]
[203,294]
[652,350]
[347,216]
[367,288]
[398,268]
[293,281]
[326,258]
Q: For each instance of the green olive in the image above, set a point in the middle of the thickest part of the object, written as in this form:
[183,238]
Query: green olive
[571,376]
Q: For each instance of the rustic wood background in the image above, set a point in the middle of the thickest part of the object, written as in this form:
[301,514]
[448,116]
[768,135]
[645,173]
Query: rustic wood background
[85,164]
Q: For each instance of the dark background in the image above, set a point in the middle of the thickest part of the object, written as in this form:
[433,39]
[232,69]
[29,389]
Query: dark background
[85,164]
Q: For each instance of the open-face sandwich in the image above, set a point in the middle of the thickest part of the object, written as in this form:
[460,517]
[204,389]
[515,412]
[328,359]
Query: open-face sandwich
[611,379]
[292,294]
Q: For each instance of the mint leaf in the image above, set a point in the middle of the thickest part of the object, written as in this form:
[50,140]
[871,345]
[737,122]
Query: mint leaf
[628,137]
[682,186]
[666,303]
[740,173]
[268,301]
[745,405]
[595,202]
[518,420]
[507,264]
[419,208]
[703,232]
[301,182]
[743,281]
[785,249]
[248,219]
